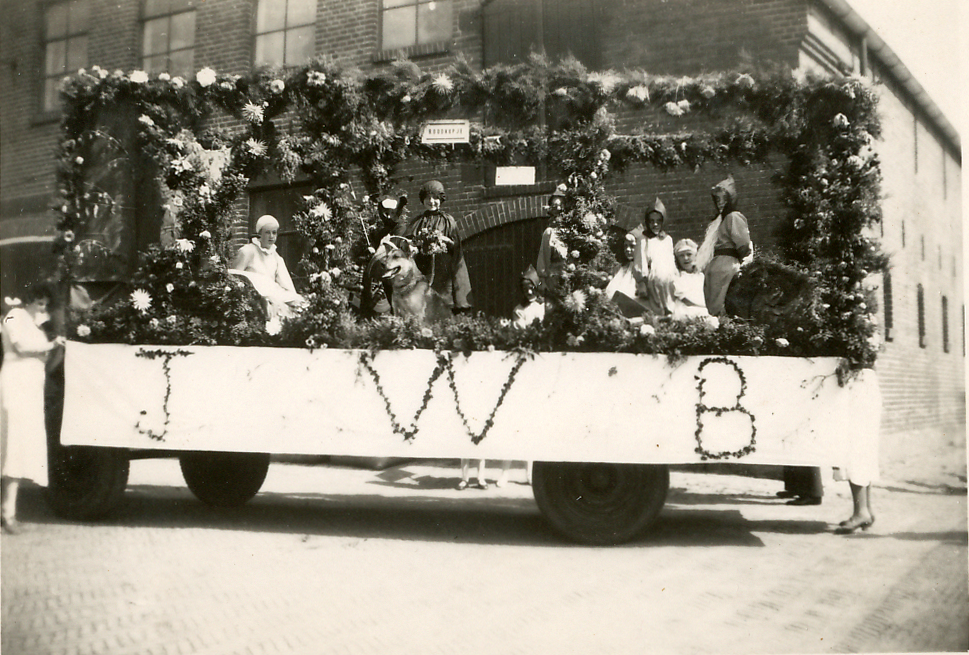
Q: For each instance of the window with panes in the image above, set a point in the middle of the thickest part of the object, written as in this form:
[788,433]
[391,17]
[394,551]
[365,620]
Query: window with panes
[65,45]
[285,32]
[168,37]
[406,23]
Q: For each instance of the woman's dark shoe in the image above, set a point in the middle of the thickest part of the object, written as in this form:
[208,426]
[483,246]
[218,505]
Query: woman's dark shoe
[851,525]
[805,500]
[786,494]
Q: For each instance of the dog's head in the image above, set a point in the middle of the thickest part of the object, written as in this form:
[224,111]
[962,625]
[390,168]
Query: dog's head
[397,256]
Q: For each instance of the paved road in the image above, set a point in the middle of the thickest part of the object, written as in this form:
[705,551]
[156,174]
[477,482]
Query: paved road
[338,560]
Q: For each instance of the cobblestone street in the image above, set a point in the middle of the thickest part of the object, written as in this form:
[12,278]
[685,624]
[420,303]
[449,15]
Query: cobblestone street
[330,559]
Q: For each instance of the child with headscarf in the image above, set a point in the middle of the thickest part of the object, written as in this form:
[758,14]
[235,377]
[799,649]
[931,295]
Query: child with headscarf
[261,263]
[655,263]
[726,244]
[532,308]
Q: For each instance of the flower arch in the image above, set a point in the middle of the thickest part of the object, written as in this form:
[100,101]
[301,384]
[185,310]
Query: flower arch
[331,125]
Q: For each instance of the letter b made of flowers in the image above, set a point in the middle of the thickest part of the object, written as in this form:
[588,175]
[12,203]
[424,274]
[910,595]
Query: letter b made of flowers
[724,427]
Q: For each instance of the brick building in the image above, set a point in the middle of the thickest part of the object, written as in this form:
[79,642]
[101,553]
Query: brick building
[923,308]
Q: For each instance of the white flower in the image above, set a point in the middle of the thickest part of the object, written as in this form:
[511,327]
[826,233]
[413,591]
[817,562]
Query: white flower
[707,91]
[68,236]
[405,99]
[169,287]
[145,120]
[178,82]
[256,148]
[443,84]
[316,78]
[277,86]
[673,109]
[205,234]
[605,155]
[101,72]
[322,277]
[840,121]
[141,300]
[154,323]
[576,300]
[139,77]
[252,113]
[335,272]
[606,81]
[184,245]
[214,259]
[274,326]
[79,160]
[83,331]
[205,77]
[782,342]
[745,81]
[427,332]
[646,330]
[171,319]
[205,193]
[164,77]
[640,92]
[12,302]
[855,162]
[179,266]
[321,211]
[684,105]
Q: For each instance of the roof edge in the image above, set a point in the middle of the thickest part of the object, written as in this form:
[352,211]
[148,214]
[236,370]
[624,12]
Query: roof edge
[901,74]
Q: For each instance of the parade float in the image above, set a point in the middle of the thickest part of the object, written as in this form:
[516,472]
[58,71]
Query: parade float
[179,361]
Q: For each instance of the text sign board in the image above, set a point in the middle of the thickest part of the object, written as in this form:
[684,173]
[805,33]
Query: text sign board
[447,131]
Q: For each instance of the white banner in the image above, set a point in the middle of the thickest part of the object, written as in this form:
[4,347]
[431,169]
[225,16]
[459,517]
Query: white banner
[603,407]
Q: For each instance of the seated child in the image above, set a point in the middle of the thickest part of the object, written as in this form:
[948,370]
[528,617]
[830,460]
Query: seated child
[688,300]
[261,263]
[532,307]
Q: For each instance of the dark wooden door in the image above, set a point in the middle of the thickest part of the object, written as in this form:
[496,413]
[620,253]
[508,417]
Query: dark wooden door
[496,259]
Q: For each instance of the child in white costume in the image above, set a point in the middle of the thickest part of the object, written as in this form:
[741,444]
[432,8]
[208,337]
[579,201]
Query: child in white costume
[267,271]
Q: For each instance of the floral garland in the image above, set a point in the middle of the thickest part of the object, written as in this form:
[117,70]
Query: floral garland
[166,356]
[365,360]
[702,409]
[490,421]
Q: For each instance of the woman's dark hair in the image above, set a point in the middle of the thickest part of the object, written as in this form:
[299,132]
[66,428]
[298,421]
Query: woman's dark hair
[38,291]
[434,188]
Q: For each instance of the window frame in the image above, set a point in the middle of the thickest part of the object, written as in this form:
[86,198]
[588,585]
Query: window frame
[920,308]
[144,19]
[945,324]
[416,49]
[286,28]
[45,113]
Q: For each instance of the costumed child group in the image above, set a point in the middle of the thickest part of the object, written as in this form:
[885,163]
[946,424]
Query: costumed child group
[656,277]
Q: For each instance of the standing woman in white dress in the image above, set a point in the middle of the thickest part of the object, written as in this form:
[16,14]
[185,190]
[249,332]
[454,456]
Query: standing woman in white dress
[23,437]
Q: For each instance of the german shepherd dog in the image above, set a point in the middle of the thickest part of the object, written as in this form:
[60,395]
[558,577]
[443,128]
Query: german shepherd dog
[411,295]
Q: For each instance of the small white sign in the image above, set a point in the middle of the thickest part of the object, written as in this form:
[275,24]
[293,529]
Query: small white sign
[514,175]
[450,131]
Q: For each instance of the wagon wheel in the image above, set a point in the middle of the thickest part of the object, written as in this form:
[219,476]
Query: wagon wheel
[224,479]
[600,503]
[86,483]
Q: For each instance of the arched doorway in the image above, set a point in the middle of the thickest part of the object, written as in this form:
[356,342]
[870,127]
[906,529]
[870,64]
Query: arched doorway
[496,258]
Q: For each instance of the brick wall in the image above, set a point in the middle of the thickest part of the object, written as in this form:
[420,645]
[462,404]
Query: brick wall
[923,387]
